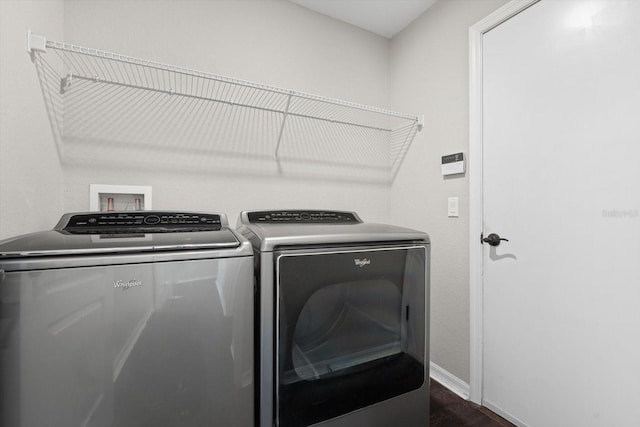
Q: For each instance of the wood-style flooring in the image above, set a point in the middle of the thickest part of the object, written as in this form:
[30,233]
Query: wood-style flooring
[450,410]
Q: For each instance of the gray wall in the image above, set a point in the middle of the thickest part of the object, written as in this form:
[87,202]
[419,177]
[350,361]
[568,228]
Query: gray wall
[274,42]
[430,75]
[30,170]
[424,70]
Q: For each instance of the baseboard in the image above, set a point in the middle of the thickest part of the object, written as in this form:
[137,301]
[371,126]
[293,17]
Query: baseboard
[449,380]
[496,410]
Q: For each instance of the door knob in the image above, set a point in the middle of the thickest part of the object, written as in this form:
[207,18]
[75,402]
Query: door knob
[493,239]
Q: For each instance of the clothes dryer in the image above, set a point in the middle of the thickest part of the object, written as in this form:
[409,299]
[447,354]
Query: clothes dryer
[342,319]
[127,319]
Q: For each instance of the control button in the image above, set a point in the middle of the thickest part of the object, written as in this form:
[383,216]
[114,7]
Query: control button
[152,219]
[305,216]
[92,220]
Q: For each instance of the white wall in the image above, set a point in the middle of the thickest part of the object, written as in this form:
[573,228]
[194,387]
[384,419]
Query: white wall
[429,76]
[268,41]
[30,169]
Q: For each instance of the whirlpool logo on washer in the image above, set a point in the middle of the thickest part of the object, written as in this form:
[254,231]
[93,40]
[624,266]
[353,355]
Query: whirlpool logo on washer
[362,262]
[121,284]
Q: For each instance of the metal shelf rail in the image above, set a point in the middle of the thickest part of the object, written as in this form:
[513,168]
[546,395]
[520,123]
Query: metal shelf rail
[92,95]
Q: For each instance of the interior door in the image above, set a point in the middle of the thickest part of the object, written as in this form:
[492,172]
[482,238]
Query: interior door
[561,182]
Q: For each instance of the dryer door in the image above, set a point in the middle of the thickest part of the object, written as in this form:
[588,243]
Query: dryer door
[351,330]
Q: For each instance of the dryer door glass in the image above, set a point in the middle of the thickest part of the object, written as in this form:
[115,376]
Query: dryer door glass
[327,338]
[351,330]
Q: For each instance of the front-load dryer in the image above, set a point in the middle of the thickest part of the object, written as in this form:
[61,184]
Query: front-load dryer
[125,319]
[342,319]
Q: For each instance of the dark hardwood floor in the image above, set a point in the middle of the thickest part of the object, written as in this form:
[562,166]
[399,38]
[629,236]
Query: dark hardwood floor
[450,410]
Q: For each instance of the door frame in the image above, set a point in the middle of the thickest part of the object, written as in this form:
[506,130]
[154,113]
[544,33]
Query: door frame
[476,220]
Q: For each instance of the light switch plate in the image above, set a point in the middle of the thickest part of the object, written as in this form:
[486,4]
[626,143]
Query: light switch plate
[453,207]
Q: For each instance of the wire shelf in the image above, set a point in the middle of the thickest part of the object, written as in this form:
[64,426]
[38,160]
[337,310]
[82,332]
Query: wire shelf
[95,97]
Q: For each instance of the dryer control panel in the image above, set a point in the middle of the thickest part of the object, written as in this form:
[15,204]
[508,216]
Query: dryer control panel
[141,222]
[304,217]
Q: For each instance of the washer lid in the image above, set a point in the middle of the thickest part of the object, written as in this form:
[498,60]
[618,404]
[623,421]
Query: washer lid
[76,234]
[60,243]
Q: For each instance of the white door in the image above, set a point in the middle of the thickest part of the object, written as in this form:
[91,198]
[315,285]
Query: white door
[561,181]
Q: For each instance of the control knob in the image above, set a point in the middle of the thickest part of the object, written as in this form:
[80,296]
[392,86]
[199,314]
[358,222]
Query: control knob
[152,219]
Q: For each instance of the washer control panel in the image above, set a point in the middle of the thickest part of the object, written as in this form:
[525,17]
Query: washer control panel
[303,217]
[141,222]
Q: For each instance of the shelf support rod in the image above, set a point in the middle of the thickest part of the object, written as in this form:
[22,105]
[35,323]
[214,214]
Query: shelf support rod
[284,120]
[97,79]
[65,83]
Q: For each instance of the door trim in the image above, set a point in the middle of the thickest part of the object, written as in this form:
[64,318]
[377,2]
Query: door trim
[476,311]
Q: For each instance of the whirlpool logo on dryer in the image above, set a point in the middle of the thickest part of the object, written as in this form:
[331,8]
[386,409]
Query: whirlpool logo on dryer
[362,262]
[121,284]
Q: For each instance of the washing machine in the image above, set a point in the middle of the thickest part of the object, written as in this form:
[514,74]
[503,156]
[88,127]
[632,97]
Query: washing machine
[342,311]
[127,319]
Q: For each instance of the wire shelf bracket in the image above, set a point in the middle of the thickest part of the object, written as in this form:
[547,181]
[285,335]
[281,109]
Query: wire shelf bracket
[94,95]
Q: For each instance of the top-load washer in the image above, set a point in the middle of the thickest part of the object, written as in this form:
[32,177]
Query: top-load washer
[127,319]
[342,320]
